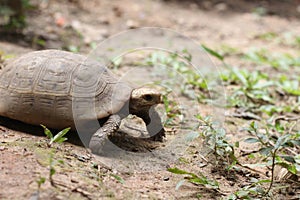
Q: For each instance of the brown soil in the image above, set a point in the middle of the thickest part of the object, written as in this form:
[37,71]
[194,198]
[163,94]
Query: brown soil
[24,155]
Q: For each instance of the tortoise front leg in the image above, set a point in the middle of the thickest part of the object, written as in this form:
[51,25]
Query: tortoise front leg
[98,139]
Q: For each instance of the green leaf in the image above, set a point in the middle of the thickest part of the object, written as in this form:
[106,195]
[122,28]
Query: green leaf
[295,142]
[242,193]
[240,76]
[52,171]
[261,85]
[212,52]
[297,159]
[41,181]
[206,182]
[252,140]
[61,140]
[73,48]
[263,181]
[59,136]
[60,162]
[198,180]
[231,197]
[117,62]
[179,171]
[291,168]
[290,159]
[47,132]
[191,136]
[281,141]
[118,178]
[265,150]
[253,125]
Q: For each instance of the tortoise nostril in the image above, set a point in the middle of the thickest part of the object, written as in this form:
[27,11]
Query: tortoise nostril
[148,97]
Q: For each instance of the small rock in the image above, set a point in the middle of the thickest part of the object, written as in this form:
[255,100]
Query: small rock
[180,21]
[75,24]
[2,148]
[117,11]
[104,33]
[221,6]
[131,24]
[73,180]
[166,178]
[103,20]
[82,158]
[145,196]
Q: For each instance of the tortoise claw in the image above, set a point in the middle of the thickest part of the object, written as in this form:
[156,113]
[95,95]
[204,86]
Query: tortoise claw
[159,136]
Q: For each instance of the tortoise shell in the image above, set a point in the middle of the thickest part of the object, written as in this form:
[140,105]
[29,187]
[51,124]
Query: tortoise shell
[54,87]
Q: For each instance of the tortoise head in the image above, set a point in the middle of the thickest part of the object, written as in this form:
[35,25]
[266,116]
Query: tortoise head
[142,99]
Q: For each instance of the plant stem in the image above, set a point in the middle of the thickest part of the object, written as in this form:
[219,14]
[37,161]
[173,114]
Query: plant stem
[272,171]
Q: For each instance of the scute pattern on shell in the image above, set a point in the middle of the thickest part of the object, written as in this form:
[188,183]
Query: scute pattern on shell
[41,86]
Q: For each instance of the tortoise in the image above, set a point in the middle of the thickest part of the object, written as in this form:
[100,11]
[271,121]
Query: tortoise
[41,87]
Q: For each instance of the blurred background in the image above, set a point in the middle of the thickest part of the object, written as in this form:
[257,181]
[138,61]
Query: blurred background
[77,25]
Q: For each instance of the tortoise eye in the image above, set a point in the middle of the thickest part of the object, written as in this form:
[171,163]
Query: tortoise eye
[148,97]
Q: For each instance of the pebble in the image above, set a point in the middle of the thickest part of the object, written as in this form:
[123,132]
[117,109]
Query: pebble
[103,20]
[144,196]
[2,148]
[131,24]
[221,7]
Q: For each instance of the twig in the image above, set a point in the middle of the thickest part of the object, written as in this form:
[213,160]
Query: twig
[74,189]
[254,170]
[272,171]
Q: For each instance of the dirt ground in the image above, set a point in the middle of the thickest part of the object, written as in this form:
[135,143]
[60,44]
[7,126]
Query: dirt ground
[77,25]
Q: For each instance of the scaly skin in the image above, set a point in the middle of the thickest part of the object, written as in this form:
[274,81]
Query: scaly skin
[98,139]
[141,104]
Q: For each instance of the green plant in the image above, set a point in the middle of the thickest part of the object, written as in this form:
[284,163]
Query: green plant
[291,87]
[73,48]
[260,11]
[280,109]
[195,179]
[254,190]
[40,182]
[226,50]
[213,52]
[289,39]
[172,109]
[268,36]
[13,13]
[276,141]
[59,137]
[179,72]
[52,162]
[254,88]
[118,178]
[116,63]
[216,141]
[275,60]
